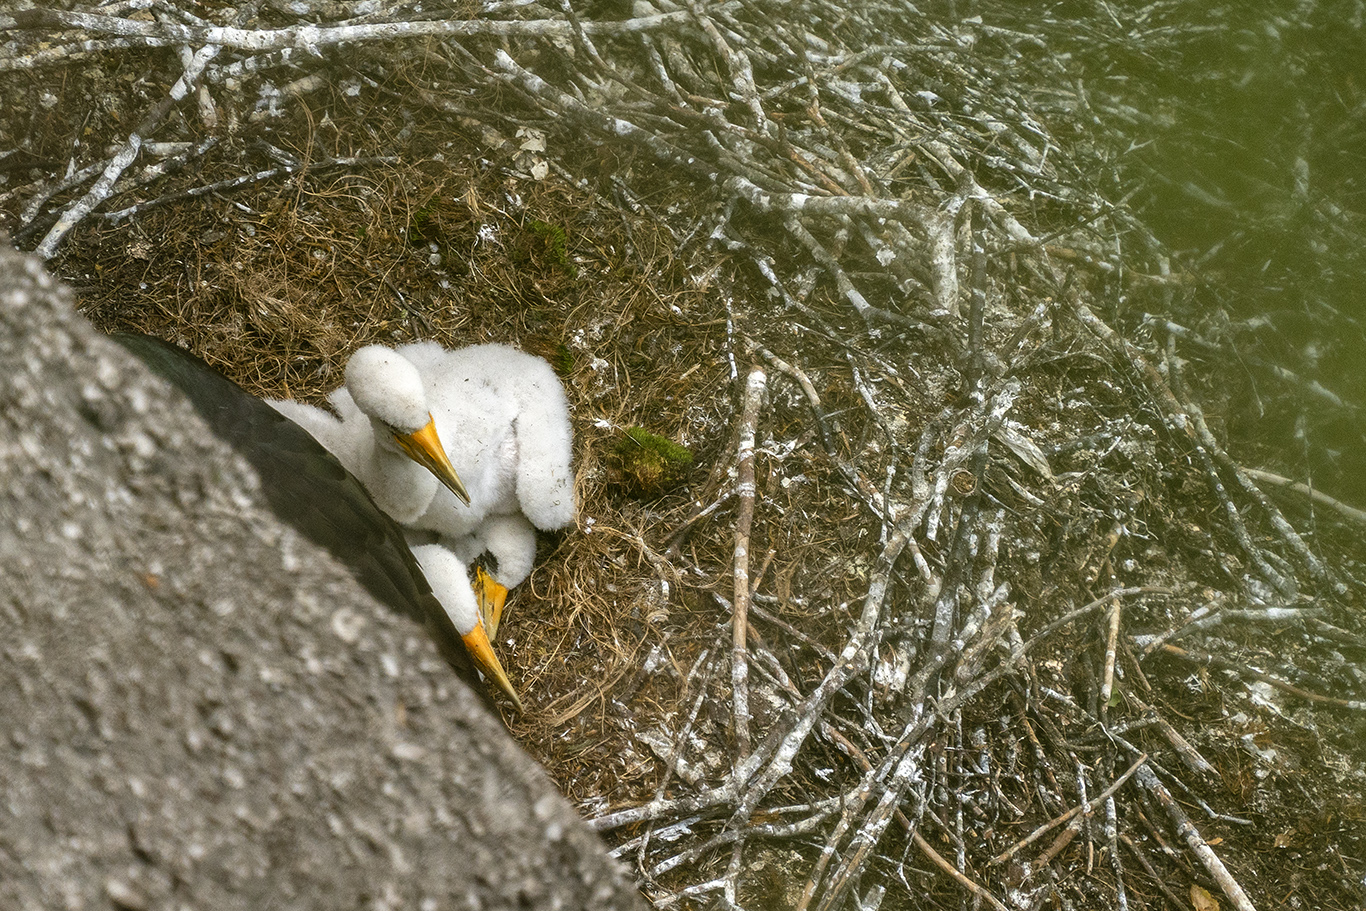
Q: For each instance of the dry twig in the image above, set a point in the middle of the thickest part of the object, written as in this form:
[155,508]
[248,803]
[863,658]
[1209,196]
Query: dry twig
[744,488]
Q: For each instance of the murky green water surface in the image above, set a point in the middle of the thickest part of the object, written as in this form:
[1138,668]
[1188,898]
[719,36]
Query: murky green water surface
[1247,157]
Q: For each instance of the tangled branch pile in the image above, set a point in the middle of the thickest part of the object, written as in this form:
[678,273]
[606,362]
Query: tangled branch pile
[971,600]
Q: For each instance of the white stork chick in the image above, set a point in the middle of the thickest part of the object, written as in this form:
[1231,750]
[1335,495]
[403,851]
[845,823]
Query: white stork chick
[509,539]
[504,421]
[384,434]
[450,583]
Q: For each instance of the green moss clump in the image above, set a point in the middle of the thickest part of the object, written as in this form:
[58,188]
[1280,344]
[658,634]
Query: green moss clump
[648,464]
[425,226]
[549,244]
[563,361]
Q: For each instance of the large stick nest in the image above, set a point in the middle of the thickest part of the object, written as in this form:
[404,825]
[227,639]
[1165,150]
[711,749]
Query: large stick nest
[990,561]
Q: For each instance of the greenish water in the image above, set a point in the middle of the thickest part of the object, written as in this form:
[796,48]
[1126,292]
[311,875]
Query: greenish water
[1255,167]
[1238,131]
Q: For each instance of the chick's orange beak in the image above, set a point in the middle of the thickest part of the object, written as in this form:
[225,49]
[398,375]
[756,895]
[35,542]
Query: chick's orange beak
[424,447]
[481,650]
[491,595]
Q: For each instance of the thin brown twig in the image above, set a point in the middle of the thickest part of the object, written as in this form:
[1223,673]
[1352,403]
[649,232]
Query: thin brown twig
[956,875]
[1088,807]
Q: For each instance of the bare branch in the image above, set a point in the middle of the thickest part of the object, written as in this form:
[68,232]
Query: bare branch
[104,186]
[314,36]
[1194,840]
[744,488]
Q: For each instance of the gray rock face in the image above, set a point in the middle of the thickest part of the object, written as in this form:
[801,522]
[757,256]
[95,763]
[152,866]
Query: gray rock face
[201,709]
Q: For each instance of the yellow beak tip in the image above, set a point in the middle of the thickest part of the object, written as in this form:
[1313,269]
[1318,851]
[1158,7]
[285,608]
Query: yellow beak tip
[424,447]
[481,650]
